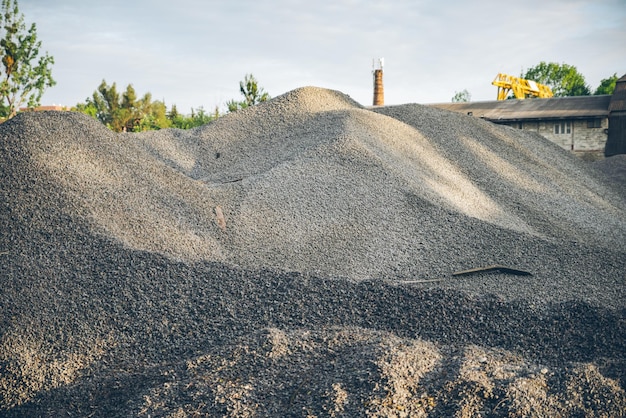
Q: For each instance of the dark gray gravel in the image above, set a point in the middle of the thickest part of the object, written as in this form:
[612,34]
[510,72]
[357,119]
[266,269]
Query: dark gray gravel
[613,169]
[122,294]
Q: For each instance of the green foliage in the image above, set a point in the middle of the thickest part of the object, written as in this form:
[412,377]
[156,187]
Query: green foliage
[155,117]
[563,79]
[198,117]
[234,105]
[461,96]
[127,113]
[87,108]
[104,103]
[607,85]
[252,93]
[26,74]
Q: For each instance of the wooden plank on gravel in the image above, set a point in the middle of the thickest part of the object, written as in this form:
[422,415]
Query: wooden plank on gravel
[494,267]
[219,218]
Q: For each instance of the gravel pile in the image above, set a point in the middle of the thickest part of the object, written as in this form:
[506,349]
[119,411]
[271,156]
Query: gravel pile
[297,258]
[614,170]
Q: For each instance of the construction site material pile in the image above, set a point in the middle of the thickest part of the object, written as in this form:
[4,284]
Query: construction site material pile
[307,257]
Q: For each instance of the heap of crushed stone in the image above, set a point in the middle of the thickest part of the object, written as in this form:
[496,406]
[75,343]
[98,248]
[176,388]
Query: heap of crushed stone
[614,170]
[297,258]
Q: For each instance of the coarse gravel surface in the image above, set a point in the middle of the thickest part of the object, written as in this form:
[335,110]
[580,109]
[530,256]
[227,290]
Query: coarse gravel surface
[298,258]
[614,170]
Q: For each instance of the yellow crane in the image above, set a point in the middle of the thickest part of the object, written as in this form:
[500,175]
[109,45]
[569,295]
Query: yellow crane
[521,88]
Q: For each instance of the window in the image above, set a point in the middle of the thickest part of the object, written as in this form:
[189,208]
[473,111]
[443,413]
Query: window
[563,128]
[594,123]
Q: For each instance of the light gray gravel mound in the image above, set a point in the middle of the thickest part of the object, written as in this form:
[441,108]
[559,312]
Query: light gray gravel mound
[296,258]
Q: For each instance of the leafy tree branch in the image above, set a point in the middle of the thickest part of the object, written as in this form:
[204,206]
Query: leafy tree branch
[25,74]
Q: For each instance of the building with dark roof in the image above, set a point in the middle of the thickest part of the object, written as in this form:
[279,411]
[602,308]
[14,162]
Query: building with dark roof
[578,123]
[616,141]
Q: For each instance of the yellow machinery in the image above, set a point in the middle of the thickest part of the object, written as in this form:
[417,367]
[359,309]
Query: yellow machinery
[521,88]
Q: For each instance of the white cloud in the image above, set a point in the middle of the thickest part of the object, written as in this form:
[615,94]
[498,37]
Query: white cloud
[192,52]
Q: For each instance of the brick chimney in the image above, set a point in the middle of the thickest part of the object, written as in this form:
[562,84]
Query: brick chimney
[379,92]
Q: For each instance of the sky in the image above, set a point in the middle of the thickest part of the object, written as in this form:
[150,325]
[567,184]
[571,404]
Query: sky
[194,53]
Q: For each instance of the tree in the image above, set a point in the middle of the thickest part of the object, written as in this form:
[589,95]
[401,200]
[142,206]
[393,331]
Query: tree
[563,79]
[155,117]
[607,85]
[252,93]
[26,74]
[104,103]
[198,117]
[125,113]
[461,96]
[233,105]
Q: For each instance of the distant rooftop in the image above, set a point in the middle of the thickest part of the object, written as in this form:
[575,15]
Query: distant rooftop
[576,107]
[42,108]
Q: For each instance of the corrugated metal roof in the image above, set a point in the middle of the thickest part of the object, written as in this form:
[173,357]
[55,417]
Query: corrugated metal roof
[578,107]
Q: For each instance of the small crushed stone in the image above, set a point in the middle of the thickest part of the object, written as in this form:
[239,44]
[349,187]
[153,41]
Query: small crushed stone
[614,170]
[296,258]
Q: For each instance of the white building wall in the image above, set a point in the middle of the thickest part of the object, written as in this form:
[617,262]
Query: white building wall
[564,140]
[581,137]
[590,139]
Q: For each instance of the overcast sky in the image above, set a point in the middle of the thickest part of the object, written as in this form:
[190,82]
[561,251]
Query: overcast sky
[193,53]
